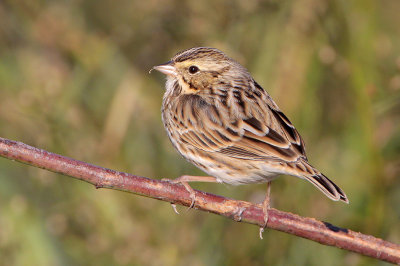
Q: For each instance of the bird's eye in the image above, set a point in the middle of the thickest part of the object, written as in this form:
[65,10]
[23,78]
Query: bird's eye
[193,69]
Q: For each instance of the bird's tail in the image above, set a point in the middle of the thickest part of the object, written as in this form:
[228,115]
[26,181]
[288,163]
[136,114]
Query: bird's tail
[330,189]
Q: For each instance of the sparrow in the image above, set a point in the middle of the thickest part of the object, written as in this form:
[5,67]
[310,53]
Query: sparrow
[222,121]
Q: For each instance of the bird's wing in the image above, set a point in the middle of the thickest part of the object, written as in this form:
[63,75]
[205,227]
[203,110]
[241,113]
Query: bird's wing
[245,127]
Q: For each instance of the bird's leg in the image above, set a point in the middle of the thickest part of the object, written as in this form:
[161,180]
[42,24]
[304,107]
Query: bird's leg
[190,178]
[265,207]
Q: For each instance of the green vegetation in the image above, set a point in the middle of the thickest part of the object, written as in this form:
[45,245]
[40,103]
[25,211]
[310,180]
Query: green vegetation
[74,80]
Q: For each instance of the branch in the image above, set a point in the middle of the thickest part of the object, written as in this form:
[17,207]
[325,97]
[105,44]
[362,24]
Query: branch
[243,211]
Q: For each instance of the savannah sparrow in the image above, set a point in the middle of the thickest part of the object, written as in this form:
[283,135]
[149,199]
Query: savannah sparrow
[221,120]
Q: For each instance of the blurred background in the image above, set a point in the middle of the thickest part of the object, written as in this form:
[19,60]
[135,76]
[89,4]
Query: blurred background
[74,80]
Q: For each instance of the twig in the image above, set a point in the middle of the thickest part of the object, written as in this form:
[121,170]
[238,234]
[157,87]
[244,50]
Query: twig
[242,211]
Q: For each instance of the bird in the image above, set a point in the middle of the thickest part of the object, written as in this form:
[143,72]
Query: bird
[222,121]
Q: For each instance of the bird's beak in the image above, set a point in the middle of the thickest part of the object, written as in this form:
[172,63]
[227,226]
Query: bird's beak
[167,68]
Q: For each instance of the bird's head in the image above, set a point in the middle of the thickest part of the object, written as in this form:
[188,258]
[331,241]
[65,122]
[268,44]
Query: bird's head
[198,70]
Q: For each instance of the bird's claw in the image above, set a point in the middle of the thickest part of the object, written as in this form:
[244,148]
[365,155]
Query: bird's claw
[237,216]
[192,197]
[187,187]
[265,223]
[173,205]
[261,232]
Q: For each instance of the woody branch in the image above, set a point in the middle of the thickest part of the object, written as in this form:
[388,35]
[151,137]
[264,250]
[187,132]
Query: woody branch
[237,210]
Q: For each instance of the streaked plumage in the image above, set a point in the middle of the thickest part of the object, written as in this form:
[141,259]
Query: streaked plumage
[222,121]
